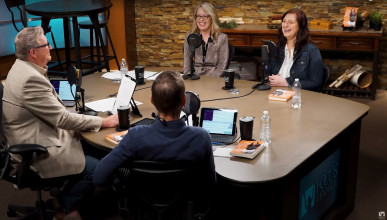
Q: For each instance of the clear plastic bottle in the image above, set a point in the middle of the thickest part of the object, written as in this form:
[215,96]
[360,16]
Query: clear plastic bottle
[296,100]
[124,68]
[266,128]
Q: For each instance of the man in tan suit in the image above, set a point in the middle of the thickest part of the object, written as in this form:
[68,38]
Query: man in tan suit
[33,113]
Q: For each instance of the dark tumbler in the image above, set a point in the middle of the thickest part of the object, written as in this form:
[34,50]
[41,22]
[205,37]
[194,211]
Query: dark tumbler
[246,127]
[139,71]
[229,79]
[124,117]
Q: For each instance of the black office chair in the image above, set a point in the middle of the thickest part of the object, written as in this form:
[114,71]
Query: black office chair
[161,190]
[24,177]
[14,6]
[231,52]
[90,59]
[325,77]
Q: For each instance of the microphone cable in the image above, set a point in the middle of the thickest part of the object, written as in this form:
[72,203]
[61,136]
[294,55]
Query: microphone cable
[235,97]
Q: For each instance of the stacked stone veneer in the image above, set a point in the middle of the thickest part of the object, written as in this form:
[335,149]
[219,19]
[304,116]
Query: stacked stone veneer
[161,26]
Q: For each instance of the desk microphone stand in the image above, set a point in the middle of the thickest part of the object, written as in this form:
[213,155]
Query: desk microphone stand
[82,108]
[263,85]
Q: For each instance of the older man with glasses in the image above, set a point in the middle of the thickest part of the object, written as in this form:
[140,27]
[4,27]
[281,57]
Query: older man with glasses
[33,113]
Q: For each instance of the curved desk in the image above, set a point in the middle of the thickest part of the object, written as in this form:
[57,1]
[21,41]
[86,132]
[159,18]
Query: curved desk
[72,8]
[301,141]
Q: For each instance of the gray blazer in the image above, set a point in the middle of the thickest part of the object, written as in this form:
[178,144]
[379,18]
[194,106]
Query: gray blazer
[216,58]
[33,113]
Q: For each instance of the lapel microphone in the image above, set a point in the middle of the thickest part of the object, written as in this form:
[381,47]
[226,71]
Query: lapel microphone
[161,119]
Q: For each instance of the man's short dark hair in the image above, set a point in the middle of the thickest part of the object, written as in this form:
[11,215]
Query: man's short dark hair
[168,91]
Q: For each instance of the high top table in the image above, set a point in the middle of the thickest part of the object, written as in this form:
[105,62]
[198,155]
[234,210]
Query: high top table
[72,9]
[313,156]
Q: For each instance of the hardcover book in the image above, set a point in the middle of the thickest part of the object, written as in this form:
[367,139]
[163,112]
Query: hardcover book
[115,138]
[247,149]
[281,95]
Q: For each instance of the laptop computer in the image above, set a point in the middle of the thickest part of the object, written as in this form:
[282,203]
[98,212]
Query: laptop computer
[220,123]
[63,89]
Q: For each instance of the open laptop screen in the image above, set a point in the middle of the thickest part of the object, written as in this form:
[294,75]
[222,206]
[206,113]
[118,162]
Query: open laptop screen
[62,87]
[219,121]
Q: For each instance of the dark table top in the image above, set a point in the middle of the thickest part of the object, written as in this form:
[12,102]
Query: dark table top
[67,8]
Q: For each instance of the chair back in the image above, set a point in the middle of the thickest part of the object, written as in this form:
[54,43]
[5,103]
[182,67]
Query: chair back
[231,52]
[5,162]
[162,190]
[325,77]
[16,7]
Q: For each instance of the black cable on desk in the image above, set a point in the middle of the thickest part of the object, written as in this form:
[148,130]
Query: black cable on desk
[210,100]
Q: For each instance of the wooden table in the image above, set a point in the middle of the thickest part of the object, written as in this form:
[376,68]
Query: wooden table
[269,186]
[72,9]
[361,41]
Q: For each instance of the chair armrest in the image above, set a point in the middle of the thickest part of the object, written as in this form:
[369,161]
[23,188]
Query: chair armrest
[23,177]
[27,149]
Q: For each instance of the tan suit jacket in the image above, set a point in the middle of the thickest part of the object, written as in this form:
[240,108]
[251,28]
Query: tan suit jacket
[216,58]
[33,113]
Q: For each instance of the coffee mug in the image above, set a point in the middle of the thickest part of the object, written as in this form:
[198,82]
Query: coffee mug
[246,127]
[228,79]
[139,71]
[123,116]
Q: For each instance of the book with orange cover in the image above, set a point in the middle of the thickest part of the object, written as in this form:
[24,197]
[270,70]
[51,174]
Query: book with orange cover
[247,149]
[116,137]
[281,95]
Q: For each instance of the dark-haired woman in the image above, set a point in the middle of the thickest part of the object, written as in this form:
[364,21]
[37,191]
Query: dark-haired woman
[297,57]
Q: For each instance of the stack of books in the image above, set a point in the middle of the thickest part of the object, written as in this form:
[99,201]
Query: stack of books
[247,149]
[116,137]
[281,95]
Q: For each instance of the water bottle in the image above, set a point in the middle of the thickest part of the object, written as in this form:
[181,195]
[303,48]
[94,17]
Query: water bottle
[265,135]
[296,100]
[124,68]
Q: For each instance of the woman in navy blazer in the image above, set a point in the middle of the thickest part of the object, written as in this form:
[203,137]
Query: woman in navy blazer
[297,57]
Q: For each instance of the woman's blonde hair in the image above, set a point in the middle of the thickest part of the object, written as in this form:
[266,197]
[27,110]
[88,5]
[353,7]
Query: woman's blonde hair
[210,10]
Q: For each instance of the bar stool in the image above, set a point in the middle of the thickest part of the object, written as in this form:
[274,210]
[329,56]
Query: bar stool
[96,59]
[20,14]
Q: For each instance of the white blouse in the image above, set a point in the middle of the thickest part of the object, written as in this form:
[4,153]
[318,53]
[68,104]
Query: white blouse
[287,64]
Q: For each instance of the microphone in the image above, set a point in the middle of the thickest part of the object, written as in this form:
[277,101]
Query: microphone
[268,51]
[194,41]
[162,120]
[74,76]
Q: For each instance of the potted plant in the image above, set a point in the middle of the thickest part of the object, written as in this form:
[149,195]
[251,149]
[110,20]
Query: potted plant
[376,19]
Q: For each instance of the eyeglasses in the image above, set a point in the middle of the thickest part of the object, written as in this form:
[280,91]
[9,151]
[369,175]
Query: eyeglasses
[44,45]
[202,17]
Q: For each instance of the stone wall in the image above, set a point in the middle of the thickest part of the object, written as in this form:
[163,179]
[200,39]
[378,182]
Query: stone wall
[161,26]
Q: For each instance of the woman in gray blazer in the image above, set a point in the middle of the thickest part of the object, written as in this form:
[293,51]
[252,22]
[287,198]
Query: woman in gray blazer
[211,57]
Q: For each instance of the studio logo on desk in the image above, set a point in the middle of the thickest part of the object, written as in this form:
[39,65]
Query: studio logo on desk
[318,189]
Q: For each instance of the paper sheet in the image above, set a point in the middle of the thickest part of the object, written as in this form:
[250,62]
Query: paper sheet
[104,105]
[116,75]
[222,152]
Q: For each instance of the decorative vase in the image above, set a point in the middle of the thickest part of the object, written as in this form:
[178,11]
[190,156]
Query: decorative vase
[377,27]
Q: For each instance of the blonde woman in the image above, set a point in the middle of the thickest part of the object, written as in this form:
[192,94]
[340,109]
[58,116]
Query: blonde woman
[212,56]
